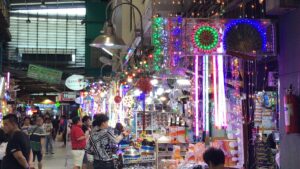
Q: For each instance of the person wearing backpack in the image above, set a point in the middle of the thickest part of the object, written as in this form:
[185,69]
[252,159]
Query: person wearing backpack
[37,140]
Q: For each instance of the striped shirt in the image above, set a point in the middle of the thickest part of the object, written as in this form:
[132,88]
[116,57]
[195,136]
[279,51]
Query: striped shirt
[101,143]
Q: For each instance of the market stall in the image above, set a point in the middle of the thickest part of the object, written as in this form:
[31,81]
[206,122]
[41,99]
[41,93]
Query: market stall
[192,91]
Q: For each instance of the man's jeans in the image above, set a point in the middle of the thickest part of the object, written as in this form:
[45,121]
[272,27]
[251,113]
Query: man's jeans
[49,144]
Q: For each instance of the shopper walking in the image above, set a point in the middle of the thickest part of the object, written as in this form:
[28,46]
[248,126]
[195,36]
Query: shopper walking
[18,154]
[214,158]
[101,142]
[49,139]
[26,125]
[86,128]
[63,128]
[78,141]
[37,140]
[55,124]
[86,125]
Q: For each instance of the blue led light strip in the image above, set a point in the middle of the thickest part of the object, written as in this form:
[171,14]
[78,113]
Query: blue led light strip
[254,23]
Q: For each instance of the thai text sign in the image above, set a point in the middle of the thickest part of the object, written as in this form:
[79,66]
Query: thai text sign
[44,74]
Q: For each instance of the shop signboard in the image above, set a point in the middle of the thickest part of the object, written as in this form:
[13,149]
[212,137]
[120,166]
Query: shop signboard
[76,82]
[68,96]
[44,74]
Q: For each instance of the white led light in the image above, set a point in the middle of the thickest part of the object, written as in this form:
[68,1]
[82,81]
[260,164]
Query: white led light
[183,82]
[137,92]
[148,100]
[163,98]
[159,91]
[154,82]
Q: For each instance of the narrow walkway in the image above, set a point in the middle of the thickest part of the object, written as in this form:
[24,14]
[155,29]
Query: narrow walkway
[60,160]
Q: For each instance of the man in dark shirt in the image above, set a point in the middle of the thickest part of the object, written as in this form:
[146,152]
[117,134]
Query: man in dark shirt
[18,153]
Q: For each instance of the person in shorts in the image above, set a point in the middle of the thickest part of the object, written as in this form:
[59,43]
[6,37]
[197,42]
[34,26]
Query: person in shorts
[78,141]
[37,140]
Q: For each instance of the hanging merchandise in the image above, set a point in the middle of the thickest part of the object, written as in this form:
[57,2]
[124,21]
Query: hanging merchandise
[186,90]
[144,84]
[118,99]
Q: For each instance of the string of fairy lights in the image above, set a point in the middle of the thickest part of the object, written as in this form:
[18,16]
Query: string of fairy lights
[213,8]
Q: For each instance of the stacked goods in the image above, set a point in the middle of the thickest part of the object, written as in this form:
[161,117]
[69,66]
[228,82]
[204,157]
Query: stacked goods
[264,158]
[177,134]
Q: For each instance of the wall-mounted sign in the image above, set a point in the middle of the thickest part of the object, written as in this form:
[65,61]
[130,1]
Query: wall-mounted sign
[76,82]
[67,96]
[44,74]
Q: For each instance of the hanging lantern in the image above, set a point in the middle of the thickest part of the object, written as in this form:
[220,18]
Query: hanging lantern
[144,85]
[118,99]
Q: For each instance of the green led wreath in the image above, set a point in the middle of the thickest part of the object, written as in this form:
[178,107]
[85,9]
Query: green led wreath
[206,38]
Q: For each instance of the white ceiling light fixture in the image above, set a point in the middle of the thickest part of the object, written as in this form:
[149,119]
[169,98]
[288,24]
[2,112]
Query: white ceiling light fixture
[109,38]
[107,51]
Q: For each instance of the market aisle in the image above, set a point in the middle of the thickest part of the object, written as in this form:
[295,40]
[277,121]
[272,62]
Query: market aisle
[58,160]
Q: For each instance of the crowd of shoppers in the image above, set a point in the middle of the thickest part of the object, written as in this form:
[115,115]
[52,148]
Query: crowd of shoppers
[93,143]
[25,141]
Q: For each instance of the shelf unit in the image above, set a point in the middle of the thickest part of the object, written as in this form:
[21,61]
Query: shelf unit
[165,151]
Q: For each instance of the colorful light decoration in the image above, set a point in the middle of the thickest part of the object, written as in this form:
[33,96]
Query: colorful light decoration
[205,95]
[254,23]
[216,94]
[57,104]
[196,79]
[144,84]
[221,93]
[158,41]
[206,37]
[175,46]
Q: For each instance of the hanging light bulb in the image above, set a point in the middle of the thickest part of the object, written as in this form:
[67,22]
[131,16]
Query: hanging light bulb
[148,100]
[154,82]
[160,91]
[129,79]
[137,92]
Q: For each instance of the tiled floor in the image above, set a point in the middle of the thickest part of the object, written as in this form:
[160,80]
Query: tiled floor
[60,160]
